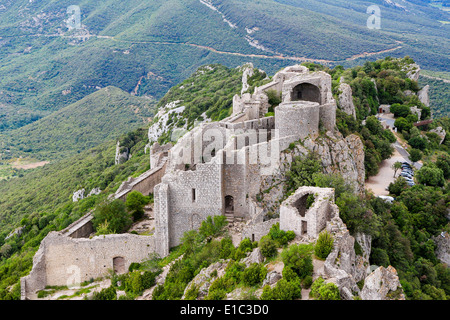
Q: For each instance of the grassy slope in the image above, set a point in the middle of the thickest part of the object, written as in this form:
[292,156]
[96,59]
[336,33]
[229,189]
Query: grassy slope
[99,117]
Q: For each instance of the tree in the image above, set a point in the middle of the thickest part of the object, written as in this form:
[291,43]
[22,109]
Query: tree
[301,172]
[298,257]
[400,110]
[419,142]
[397,186]
[402,124]
[443,163]
[430,175]
[396,166]
[324,245]
[374,125]
[267,246]
[415,155]
[115,213]
[135,204]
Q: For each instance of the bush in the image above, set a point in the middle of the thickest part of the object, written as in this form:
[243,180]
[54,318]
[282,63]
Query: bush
[322,291]
[227,249]
[281,237]
[267,246]
[283,290]
[254,274]
[307,281]
[212,226]
[298,257]
[135,204]
[324,245]
[114,214]
[289,274]
[105,294]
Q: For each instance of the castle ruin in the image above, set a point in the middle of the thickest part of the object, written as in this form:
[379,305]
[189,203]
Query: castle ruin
[216,168]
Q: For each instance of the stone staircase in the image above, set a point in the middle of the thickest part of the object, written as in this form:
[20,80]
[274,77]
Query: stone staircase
[229,217]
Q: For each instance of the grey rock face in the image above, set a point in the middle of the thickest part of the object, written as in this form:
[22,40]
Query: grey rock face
[424,96]
[442,242]
[346,99]
[78,195]
[382,284]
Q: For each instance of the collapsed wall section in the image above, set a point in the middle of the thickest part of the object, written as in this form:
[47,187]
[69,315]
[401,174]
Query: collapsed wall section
[63,260]
[295,215]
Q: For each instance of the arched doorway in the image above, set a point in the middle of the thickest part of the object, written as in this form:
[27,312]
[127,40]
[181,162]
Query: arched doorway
[229,208]
[306,92]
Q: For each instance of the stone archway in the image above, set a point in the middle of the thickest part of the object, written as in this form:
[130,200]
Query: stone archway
[306,92]
[229,208]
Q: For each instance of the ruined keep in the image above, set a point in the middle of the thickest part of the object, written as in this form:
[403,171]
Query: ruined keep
[217,168]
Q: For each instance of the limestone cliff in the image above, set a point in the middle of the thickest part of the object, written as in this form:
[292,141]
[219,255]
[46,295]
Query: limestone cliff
[337,155]
[345,99]
[382,284]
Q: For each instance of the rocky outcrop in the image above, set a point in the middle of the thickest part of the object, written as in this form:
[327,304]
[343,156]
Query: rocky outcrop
[382,284]
[440,132]
[424,96]
[78,195]
[337,154]
[412,71]
[202,281]
[345,99]
[344,266]
[122,154]
[442,251]
[341,155]
[254,257]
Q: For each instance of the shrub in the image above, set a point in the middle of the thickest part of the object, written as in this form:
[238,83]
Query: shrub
[285,290]
[212,226]
[307,281]
[114,212]
[254,274]
[298,257]
[289,274]
[281,237]
[105,294]
[267,246]
[135,204]
[322,291]
[134,266]
[191,293]
[324,245]
[245,246]
[227,249]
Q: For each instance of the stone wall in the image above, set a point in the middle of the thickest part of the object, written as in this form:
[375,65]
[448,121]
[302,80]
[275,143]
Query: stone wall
[299,119]
[63,260]
[144,183]
[192,197]
[255,231]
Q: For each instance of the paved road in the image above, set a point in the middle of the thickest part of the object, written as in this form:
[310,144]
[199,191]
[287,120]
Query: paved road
[405,155]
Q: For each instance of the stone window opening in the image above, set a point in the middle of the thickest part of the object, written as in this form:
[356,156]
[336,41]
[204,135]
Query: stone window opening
[193,195]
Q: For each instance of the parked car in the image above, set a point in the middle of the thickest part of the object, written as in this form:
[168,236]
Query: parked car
[405,175]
